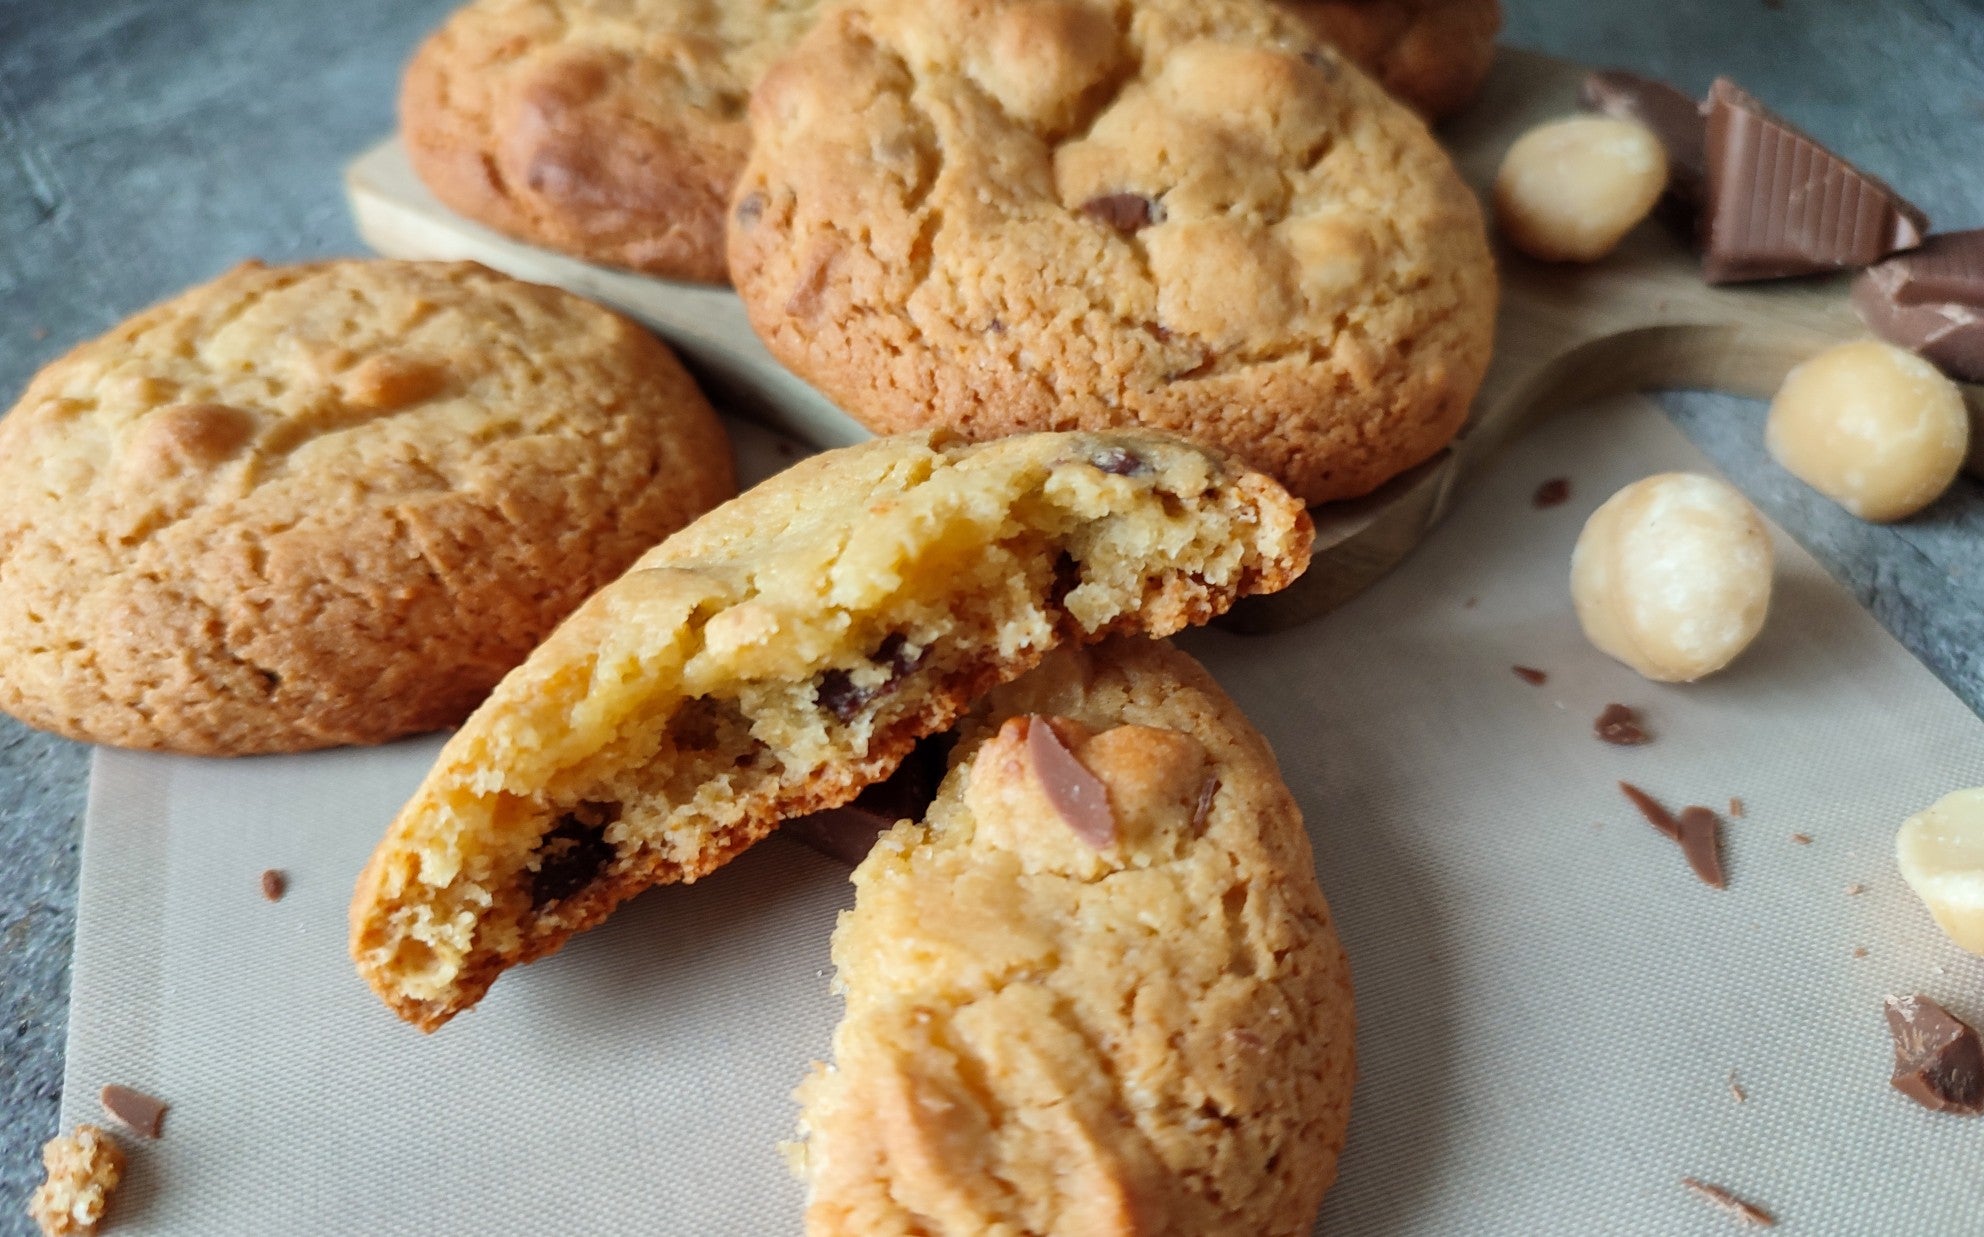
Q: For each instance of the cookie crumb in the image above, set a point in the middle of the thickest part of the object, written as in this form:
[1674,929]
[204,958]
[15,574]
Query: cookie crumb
[1716,1196]
[1736,1089]
[83,1169]
[1735,808]
[1803,839]
[1552,493]
[1620,726]
[1531,675]
[143,1115]
[274,885]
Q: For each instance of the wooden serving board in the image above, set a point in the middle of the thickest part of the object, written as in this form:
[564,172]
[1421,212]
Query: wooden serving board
[1640,320]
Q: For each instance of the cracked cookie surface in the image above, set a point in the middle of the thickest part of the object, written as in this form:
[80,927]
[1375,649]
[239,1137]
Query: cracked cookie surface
[776,656]
[1433,54]
[1132,1021]
[1187,215]
[609,129]
[333,503]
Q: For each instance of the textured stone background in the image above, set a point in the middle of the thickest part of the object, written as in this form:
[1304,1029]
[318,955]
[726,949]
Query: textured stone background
[148,144]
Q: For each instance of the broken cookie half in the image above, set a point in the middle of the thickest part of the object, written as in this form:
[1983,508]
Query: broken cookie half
[778,655]
[1098,990]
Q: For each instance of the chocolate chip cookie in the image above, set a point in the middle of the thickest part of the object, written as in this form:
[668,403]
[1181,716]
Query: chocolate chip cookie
[1433,54]
[1187,215]
[776,656]
[1098,990]
[609,129]
[334,503]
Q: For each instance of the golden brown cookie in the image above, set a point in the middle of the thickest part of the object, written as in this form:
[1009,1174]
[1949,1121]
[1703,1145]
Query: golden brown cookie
[333,503]
[1188,215]
[1098,991]
[83,1169]
[776,656]
[609,129]
[1433,54]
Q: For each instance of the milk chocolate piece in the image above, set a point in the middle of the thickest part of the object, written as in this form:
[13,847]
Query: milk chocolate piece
[1531,675]
[1780,204]
[1079,796]
[1125,212]
[1716,1196]
[1649,807]
[1674,118]
[137,1112]
[1620,726]
[274,885]
[1938,1061]
[1552,492]
[847,833]
[1931,301]
[1701,842]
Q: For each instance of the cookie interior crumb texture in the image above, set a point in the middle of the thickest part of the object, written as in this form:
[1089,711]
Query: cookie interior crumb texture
[1187,215]
[778,655]
[333,503]
[83,1169]
[1044,1035]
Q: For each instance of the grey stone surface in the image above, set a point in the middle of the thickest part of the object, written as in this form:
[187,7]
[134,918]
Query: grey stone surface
[148,144]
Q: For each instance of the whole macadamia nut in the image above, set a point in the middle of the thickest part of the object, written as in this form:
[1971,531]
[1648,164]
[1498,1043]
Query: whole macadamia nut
[1941,856]
[1672,576]
[1873,427]
[1570,190]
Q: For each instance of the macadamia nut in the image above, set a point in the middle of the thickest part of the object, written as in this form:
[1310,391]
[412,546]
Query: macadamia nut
[1874,428]
[1570,190]
[1941,856]
[1672,576]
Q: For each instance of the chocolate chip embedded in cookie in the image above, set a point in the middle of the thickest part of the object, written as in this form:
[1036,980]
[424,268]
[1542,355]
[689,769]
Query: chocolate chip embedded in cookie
[1183,215]
[1098,990]
[778,655]
[1433,54]
[312,505]
[609,130]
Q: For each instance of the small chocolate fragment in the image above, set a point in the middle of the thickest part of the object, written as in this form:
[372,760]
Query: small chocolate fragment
[1735,807]
[1620,726]
[1803,839]
[1716,1196]
[1077,795]
[1531,675]
[1649,807]
[1701,842]
[1938,1060]
[142,1114]
[1736,1089]
[1673,117]
[847,833]
[1780,204]
[1125,212]
[1859,951]
[572,854]
[274,885]
[1119,462]
[1552,493]
[1854,891]
[1931,301]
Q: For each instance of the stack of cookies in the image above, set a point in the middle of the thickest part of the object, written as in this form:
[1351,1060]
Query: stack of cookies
[1123,287]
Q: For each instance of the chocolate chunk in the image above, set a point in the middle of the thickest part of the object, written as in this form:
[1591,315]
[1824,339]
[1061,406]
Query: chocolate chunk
[573,853]
[274,885]
[142,1114]
[1649,807]
[1701,842]
[847,833]
[1531,675]
[1125,212]
[1552,493]
[1715,1195]
[1931,301]
[1938,1061]
[1780,204]
[1077,795]
[1673,117]
[838,693]
[1620,726]
[1121,463]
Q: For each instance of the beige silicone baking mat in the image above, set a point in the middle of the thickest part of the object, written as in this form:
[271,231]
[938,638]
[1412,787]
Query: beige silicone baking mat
[1551,1005]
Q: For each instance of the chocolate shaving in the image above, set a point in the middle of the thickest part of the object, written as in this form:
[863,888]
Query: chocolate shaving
[1125,212]
[1531,675]
[1780,204]
[1736,1089]
[1716,1196]
[1701,842]
[1552,493]
[1079,797]
[1620,726]
[838,693]
[1803,839]
[1931,301]
[1938,1060]
[274,885]
[1673,117]
[1649,807]
[142,1114]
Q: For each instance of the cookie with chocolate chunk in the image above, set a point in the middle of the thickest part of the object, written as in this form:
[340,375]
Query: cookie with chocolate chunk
[1097,990]
[1433,54]
[609,129]
[333,503]
[1184,215]
[778,655]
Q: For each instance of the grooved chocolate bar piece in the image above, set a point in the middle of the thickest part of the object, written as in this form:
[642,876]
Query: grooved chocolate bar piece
[1780,204]
[1931,301]
[1938,1060]
[1673,117]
